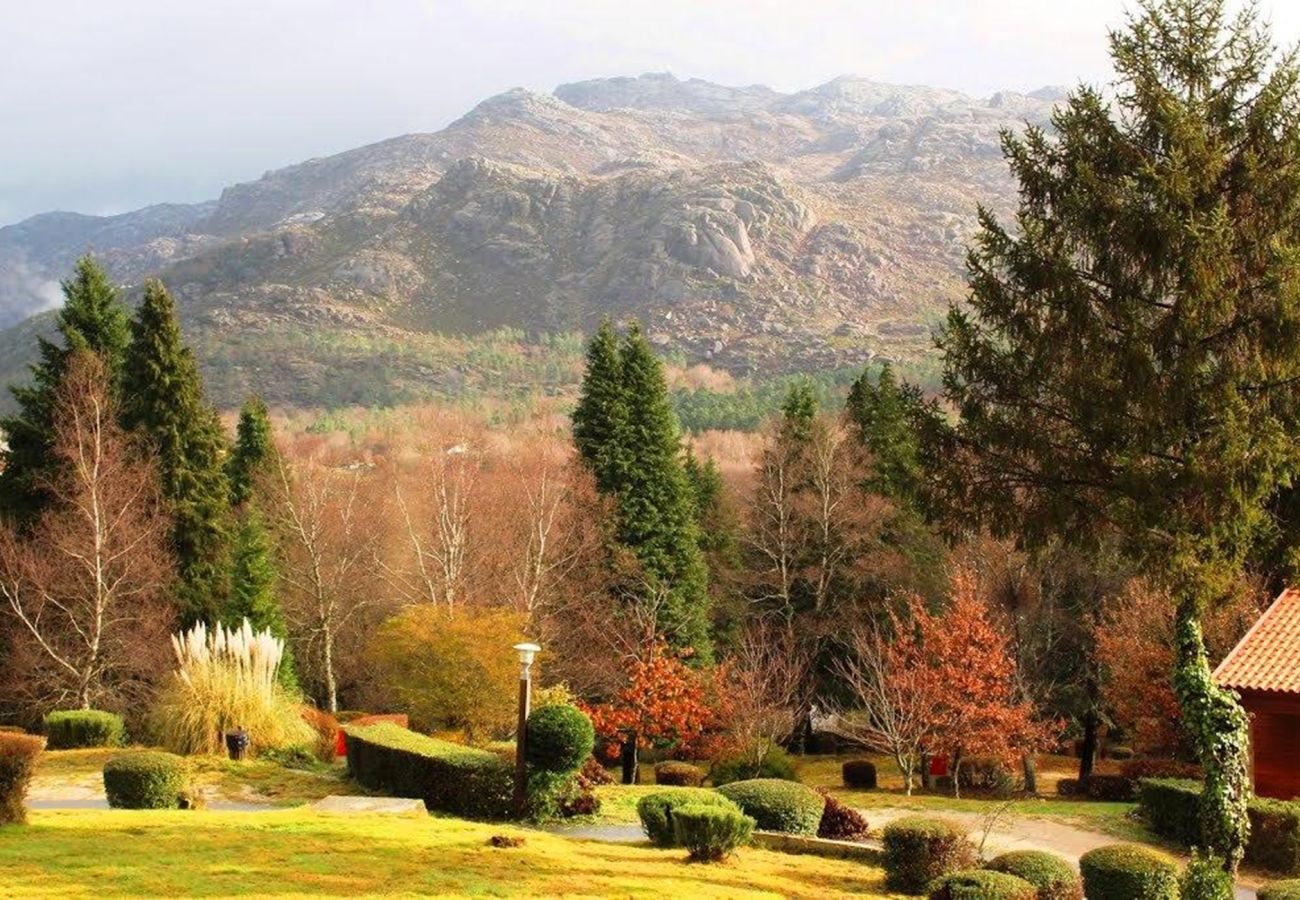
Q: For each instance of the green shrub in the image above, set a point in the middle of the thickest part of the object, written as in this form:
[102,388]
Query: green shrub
[678,774]
[776,763]
[710,833]
[1172,808]
[918,850]
[776,805]
[448,777]
[1205,879]
[841,822]
[69,729]
[1128,872]
[859,773]
[145,780]
[18,755]
[986,773]
[1280,890]
[980,884]
[1053,877]
[656,810]
[560,738]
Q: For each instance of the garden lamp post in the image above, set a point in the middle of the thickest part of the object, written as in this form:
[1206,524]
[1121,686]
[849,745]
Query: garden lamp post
[526,653]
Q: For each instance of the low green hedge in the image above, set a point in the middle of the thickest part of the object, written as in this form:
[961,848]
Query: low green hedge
[1280,890]
[918,849]
[709,832]
[1053,877]
[1171,807]
[70,729]
[678,774]
[859,774]
[560,738]
[981,884]
[448,777]
[656,811]
[146,779]
[1129,872]
[777,805]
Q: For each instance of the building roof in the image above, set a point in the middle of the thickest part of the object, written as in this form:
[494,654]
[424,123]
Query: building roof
[1268,657]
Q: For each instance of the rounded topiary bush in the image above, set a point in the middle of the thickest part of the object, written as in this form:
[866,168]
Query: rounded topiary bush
[1054,877]
[710,833]
[18,753]
[70,729]
[145,780]
[917,850]
[656,810]
[777,805]
[981,884]
[859,773]
[1128,872]
[776,763]
[560,738]
[1280,890]
[678,774]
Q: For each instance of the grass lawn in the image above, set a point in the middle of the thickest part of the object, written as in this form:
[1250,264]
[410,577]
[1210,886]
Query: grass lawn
[287,852]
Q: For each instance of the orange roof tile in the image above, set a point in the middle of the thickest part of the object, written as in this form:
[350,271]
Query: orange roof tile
[1268,657]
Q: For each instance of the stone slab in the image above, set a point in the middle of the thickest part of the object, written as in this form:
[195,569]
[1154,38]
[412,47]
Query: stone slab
[384,806]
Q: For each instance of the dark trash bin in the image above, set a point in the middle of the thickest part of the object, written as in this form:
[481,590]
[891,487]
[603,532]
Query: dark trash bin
[237,743]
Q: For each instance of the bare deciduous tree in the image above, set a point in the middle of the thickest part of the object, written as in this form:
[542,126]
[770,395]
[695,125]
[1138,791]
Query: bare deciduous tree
[86,586]
[766,677]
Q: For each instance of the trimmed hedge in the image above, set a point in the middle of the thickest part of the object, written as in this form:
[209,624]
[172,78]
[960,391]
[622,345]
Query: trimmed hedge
[919,849]
[777,805]
[18,755]
[1280,890]
[1128,872]
[1069,787]
[776,764]
[1053,877]
[70,729]
[560,738]
[1110,787]
[710,833]
[859,773]
[451,778]
[146,779]
[1171,807]
[981,884]
[656,811]
[678,774]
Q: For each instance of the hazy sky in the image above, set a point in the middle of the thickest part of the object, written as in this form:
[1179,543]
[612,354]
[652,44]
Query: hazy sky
[107,105]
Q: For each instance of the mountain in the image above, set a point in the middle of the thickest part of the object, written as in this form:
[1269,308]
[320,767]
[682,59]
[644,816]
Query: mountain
[760,231]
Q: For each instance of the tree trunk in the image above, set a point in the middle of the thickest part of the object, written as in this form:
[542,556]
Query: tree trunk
[1088,752]
[1219,728]
[1031,774]
[331,686]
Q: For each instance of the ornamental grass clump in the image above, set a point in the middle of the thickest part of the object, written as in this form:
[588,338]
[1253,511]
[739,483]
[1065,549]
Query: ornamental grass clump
[18,753]
[226,679]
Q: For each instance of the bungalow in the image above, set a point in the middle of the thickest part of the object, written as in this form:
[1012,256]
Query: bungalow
[1264,668]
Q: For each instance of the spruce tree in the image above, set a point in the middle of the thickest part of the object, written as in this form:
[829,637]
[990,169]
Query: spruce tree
[254,450]
[886,415]
[599,419]
[1129,361]
[253,590]
[799,411]
[163,400]
[656,510]
[92,318]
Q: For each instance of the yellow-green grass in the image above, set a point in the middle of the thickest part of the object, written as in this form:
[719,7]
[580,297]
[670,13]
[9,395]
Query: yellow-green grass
[297,852]
[254,780]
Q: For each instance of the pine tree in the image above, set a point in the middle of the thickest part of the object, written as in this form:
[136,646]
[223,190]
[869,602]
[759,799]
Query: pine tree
[254,450]
[253,590]
[1129,362]
[163,400]
[600,416]
[92,318]
[886,415]
[799,411]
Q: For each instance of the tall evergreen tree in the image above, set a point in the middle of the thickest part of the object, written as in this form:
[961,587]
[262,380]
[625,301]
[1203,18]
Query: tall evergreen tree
[600,417]
[163,400]
[254,450]
[886,415]
[92,318]
[799,411]
[253,590]
[1129,363]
